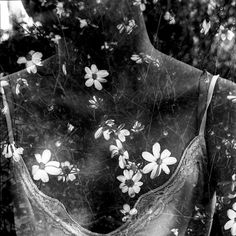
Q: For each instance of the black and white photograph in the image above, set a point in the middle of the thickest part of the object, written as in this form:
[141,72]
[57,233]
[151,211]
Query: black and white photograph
[118,117]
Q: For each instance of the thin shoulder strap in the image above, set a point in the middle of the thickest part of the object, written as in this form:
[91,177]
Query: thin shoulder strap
[209,97]
[6,109]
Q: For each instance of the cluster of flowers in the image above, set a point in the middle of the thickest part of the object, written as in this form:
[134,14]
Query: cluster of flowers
[141,58]
[64,170]
[10,150]
[132,174]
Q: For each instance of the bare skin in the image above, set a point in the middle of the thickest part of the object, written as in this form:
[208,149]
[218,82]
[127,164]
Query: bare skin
[166,99]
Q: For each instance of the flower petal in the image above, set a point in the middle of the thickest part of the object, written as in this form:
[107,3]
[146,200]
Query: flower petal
[71,177]
[154,172]
[231,214]
[131,192]
[124,189]
[101,80]
[119,144]
[169,160]
[102,73]
[98,133]
[234,206]
[97,85]
[127,174]
[21,60]
[139,184]
[121,178]
[46,156]
[165,168]
[89,82]
[94,69]
[126,207]
[148,156]
[38,157]
[106,134]
[44,176]
[113,148]
[133,211]
[54,164]
[156,150]
[126,155]
[137,177]
[121,137]
[121,162]
[149,167]
[35,168]
[41,174]
[88,71]
[125,132]
[130,174]
[87,76]
[52,170]
[36,58]
[233,229]
[136,189]
[166,153]
[31,52]
[228,224]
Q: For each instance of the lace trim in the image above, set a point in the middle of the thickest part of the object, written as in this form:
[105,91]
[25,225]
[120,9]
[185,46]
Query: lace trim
[149,205]
[153,203]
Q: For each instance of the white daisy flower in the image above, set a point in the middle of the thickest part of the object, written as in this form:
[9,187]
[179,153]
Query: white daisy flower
[10,150]
[231,224]
[68,172]
[104,129]
[128,212]
[64,69]
[60,9]
[170,18]
[118,150]
[70,127]
[158,161]
[83,23]
[122,133]
[32,60]
[45,167]
[127,25]
[137,58]
[205,27]
[106,133]
[130,183]
[95,77]
[56,38]
[95,102]
[141,4]
[175,231]
[137,127]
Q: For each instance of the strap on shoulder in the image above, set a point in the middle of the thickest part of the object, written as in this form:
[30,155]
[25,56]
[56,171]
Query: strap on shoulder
[3,84]
[209,98]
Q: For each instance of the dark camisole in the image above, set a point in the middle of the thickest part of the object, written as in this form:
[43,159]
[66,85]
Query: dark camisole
[170,209]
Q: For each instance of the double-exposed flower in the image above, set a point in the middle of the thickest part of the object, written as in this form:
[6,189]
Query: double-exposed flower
[45,167]
[95,77]
[130,182]
[118,150]
[31,61]
[158,161]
